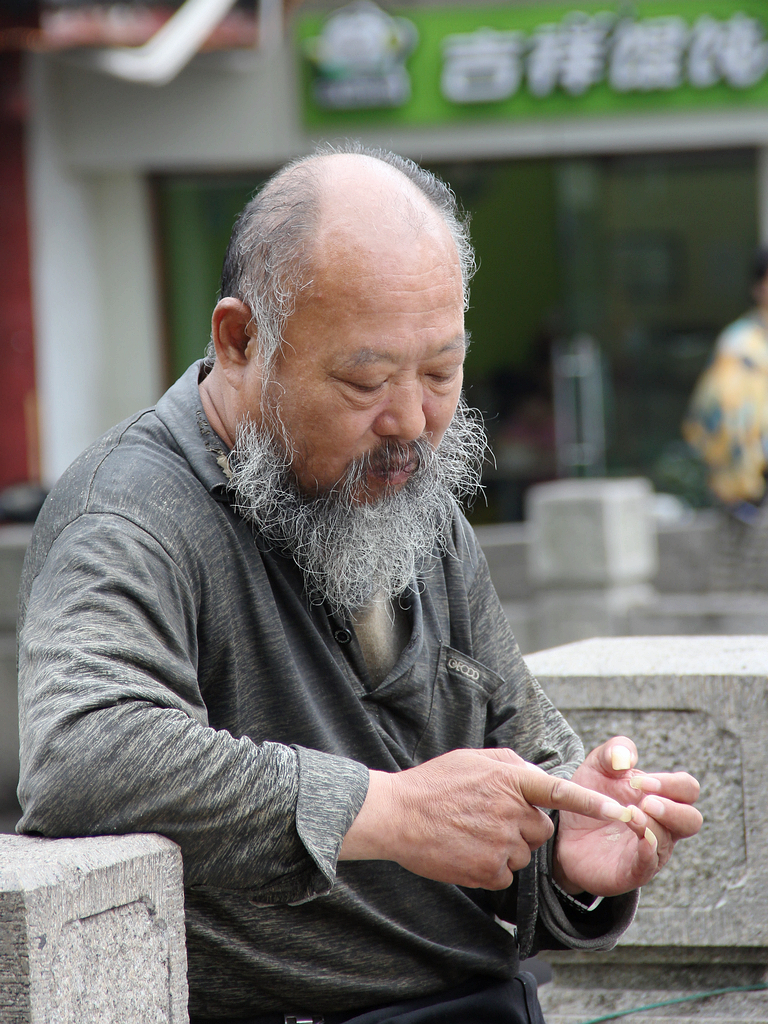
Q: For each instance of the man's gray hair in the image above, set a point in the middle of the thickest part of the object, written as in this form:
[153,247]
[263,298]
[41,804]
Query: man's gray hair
[268,261]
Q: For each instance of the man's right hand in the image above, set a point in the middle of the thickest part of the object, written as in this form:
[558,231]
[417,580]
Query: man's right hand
[468,817]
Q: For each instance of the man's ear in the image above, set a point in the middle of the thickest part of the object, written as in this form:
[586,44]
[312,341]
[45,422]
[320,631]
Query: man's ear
[228,331]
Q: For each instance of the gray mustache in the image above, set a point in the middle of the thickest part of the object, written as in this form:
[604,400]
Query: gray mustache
[394,457]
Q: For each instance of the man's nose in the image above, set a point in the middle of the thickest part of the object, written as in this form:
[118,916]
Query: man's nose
[403,417]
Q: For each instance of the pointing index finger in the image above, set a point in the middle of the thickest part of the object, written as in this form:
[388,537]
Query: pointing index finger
[543,790]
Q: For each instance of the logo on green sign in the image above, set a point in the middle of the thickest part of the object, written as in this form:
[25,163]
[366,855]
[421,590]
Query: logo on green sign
[360,58]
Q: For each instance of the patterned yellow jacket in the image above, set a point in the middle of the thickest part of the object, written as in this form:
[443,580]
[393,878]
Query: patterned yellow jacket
[727,420]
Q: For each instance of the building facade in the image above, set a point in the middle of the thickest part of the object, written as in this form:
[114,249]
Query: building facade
[632,225]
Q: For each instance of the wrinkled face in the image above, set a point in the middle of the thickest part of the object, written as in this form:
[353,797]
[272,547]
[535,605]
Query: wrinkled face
[373,354]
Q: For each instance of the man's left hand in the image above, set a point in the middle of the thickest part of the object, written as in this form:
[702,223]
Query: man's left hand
[609,858]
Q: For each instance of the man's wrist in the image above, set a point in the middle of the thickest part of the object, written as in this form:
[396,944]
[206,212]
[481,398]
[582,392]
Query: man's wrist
[560,880]
[369,834]
[569,894]
[583,902]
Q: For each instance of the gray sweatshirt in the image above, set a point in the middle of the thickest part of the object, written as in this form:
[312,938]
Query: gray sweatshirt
[175,679]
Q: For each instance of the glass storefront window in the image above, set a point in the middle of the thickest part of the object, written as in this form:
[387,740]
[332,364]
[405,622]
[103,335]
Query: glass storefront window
[195,216]
[648,257]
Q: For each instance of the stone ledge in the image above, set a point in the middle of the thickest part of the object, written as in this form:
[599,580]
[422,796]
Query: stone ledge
[696,704]
[588,985]
[689,703]
[92,931]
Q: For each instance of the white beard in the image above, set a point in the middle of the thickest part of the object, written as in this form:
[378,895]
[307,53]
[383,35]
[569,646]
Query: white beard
[350,548]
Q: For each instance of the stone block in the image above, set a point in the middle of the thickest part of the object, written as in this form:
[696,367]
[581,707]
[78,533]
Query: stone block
[685,554]
[698,704]
[92,931]
[706,614]
[739,556]
[9,722]
[591,532]
[505,546]
[518,615]
[14,540]
[590,986]
[563,615]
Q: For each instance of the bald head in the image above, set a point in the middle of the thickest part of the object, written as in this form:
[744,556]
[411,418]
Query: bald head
[331,206]
[367,208]
[371,193]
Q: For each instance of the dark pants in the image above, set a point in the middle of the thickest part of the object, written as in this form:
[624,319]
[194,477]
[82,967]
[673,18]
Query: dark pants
[475,1002]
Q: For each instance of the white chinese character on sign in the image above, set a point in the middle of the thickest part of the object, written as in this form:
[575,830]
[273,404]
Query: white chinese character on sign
[543,64]
[481,66]
[733,50]
[704,52]
[582,53]
[744,52]
[648,55]
[571,54]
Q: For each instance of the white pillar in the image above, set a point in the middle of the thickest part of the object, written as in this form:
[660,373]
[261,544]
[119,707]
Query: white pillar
[64,284]
[95,294]
[131,364]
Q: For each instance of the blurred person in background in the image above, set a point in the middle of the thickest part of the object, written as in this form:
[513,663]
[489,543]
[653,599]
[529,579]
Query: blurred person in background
[727,425]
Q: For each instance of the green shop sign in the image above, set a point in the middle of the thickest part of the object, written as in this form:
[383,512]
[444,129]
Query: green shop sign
[428,65]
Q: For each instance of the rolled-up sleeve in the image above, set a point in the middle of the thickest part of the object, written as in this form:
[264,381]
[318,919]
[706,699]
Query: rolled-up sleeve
[331,793]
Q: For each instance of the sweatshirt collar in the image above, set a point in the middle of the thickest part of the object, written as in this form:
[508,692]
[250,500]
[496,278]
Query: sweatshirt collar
[181,411]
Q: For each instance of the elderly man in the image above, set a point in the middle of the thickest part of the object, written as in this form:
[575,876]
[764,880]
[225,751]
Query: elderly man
[254,620]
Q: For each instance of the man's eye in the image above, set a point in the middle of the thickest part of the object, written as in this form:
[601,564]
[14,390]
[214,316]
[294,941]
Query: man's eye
[365,389]
[443,378]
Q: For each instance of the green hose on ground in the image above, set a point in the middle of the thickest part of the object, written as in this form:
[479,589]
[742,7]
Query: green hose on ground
[683,999]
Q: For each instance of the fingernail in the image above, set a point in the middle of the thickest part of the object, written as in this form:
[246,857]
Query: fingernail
[616,812]
[651,839]
[645,783]
[653,807]
[621,759]
[635,813]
